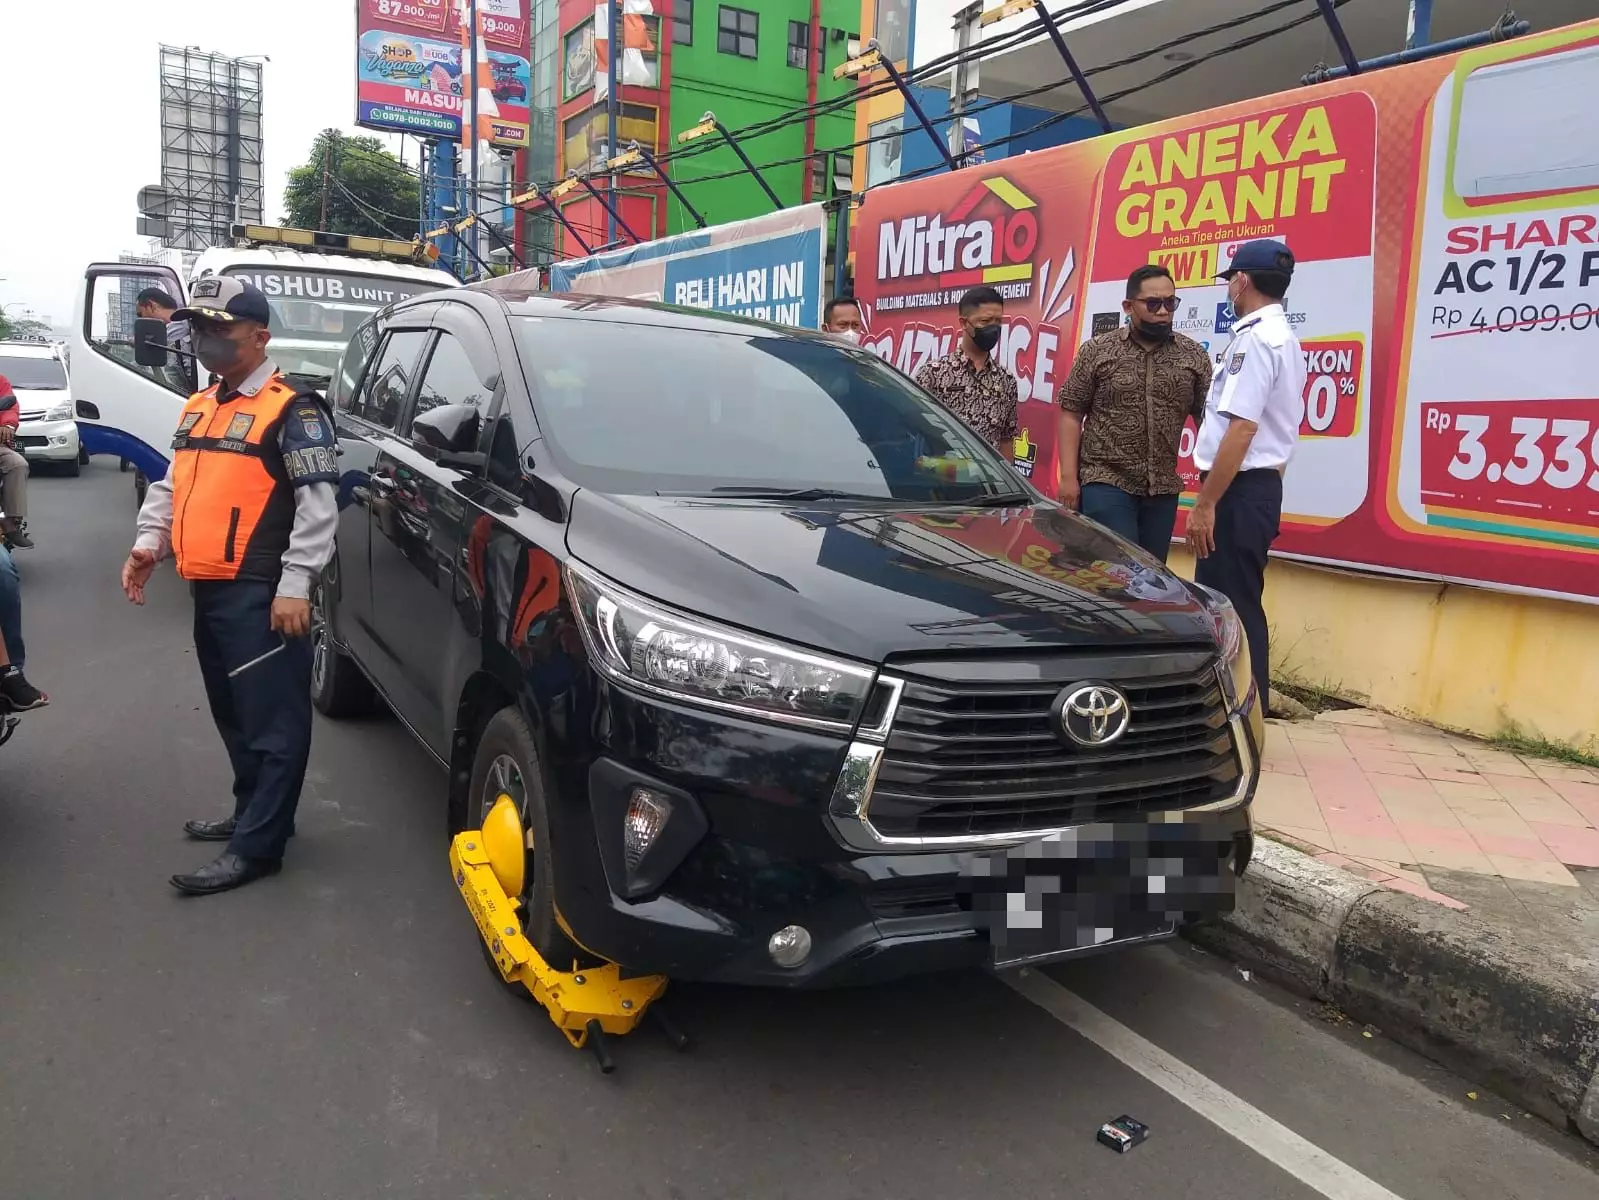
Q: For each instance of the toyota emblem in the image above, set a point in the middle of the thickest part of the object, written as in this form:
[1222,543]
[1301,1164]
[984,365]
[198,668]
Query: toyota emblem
[1093,714]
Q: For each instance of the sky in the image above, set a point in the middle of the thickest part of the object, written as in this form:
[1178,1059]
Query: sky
[83,127]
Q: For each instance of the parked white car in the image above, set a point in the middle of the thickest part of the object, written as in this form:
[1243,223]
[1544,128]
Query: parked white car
[48,432]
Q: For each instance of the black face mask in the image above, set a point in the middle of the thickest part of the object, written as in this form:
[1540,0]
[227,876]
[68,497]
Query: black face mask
[1154,331]
[985,337]
[215,352]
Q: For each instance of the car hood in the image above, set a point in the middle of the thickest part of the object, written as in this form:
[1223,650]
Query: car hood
[36,401]
[875,582]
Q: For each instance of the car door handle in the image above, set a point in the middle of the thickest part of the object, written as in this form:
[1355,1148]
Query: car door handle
[382,483]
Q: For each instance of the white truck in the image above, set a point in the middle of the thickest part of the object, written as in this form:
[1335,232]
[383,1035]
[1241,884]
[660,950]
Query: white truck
[321,286]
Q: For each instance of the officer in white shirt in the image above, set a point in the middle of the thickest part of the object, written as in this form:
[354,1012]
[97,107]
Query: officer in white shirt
[1252,416]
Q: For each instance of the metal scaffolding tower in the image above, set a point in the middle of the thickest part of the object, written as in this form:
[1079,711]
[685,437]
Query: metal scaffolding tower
[210,145]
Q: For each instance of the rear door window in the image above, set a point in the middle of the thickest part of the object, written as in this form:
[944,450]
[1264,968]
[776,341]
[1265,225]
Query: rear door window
[341,392]
[381,398]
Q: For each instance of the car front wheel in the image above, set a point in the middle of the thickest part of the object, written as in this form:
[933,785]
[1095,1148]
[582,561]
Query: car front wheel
[338,688]
[506,765]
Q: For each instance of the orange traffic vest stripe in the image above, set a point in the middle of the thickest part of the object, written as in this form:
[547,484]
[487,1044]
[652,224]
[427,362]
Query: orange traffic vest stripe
[232,503]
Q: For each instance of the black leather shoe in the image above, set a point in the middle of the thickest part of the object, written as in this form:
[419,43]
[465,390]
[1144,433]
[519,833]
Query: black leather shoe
[210,831]
[224,873]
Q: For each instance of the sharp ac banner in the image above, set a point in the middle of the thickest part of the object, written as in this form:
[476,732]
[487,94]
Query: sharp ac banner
[1447,295]
[769,268]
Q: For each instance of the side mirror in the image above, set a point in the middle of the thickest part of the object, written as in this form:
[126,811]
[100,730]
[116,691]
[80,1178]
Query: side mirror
[150,341]
[450,432]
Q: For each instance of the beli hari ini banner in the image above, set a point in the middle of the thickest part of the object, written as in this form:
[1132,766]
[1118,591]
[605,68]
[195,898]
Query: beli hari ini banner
[1446,296]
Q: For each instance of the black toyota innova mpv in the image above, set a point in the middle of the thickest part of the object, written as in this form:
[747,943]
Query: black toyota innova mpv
[795,681]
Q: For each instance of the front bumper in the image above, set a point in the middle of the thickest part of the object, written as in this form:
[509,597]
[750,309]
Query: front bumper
[765,850]
[48,441]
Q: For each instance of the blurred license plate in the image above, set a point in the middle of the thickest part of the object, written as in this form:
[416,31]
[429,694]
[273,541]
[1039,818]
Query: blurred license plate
[1091,887]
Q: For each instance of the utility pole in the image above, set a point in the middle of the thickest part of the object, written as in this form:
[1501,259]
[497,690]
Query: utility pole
[963,84]
[813,68]
[472,196]
[327,168]
[613,106]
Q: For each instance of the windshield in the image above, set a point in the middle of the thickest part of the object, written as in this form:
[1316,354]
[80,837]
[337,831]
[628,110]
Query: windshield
[315,313]
[34,374]
[637,409]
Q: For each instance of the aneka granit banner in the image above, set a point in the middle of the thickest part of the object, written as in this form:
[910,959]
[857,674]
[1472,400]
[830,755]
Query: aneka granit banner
[1446,296]
[768,268]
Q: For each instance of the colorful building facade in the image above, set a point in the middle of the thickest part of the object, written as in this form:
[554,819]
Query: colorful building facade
[747,62]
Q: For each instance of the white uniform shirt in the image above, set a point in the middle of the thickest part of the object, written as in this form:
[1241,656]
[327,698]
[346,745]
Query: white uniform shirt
[1260,378]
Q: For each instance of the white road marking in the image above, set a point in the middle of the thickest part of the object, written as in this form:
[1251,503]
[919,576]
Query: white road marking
[1273,1141]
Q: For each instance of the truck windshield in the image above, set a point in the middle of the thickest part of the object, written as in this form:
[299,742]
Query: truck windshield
[34,374]
[315,313]
[639,409]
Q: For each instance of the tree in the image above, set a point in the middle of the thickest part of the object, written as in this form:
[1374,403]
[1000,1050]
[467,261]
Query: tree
[352,185]
[21,328]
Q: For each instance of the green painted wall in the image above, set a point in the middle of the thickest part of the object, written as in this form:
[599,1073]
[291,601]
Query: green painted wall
[742,91]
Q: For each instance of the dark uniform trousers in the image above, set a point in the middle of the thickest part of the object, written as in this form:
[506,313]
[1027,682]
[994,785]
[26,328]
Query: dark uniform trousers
[263,714]
[1247,517]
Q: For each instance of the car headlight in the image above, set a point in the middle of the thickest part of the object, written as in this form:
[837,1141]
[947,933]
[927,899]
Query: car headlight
[642,644]
[1237,676]
[61,412]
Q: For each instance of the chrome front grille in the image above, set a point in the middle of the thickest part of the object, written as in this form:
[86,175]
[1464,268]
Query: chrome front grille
[973,750]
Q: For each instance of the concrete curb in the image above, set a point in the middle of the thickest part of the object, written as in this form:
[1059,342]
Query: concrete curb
[1523,1019]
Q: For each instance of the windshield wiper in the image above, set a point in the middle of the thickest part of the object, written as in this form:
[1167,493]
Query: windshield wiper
[756,492]
[999,499]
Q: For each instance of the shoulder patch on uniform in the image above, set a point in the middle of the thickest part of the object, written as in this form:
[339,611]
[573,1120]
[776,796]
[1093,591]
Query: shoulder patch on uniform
[310,423]
[1237,364]
[190,420]
[239,427]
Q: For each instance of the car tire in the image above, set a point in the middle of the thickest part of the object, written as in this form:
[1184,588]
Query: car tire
[124,465]
[83,455]
[338,687]
[507,759]
[141,485]
[75,467]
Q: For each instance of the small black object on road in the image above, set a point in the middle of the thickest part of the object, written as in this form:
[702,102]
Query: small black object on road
[1122,1134]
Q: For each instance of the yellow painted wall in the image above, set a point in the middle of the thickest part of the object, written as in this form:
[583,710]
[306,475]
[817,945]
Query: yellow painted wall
[1455,656]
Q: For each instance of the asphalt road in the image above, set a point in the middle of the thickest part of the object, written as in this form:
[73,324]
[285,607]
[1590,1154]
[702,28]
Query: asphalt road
[333,1034]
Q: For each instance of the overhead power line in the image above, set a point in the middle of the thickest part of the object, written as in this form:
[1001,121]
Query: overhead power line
[1031,32]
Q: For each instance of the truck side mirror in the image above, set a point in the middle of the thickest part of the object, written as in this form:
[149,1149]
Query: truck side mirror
[150,341]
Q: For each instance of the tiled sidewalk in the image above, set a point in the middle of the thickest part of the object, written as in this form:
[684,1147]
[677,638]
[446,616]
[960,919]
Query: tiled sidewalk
[1414,809]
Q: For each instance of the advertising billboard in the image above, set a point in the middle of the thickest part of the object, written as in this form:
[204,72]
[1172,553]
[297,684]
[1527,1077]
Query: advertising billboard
[768,268]
[1446,290]
[409,73]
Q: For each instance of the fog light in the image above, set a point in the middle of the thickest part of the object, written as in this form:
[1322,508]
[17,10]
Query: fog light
[790,946]
[647,814]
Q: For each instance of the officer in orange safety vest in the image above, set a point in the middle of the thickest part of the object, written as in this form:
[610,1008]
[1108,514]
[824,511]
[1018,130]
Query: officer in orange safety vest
[249,509]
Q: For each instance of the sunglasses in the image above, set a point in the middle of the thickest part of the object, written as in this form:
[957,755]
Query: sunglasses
[1169,304]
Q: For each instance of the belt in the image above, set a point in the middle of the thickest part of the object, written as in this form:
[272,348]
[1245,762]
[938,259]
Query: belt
[1278,471]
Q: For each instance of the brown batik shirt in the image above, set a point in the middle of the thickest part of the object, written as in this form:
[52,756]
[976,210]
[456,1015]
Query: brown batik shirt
[1134,401]
[985,400]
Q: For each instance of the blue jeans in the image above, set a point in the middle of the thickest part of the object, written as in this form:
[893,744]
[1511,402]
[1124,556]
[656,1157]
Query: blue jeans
[11,609]
[1145,521]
